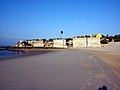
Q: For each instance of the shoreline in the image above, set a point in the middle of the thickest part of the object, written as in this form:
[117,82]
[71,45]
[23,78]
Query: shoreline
[29,52]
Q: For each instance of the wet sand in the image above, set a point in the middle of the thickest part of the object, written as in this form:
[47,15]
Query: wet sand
[110,54]
[28,52]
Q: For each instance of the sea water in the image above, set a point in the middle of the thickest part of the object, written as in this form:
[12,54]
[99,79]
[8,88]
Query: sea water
[6,54]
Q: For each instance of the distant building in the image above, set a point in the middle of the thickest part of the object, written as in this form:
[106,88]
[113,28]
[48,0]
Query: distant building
[59,43]
[76,42]
[93,42]
[31,43]
[79,42]
[86,42]
[38,43]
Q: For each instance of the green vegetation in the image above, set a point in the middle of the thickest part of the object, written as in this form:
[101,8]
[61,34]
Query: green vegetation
[116,38]
[106,39]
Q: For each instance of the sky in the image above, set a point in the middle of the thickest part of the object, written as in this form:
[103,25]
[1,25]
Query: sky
[44,19]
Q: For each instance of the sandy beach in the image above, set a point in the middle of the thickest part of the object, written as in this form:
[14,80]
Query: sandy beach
[110,54]
[63,69]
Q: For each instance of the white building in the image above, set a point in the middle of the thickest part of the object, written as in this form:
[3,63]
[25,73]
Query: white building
[86,42]
[93,42]
[39,43]
[79,42]
[59,43]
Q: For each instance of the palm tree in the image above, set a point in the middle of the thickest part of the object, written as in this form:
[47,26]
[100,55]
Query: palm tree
[61,32]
